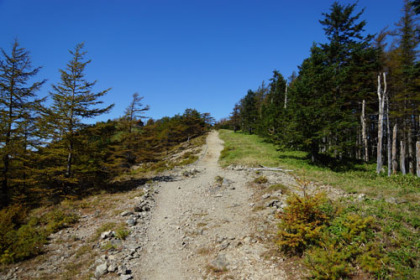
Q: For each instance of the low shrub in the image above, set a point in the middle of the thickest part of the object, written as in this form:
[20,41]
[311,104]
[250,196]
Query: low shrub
[261,180]
[23,236]
[302,222]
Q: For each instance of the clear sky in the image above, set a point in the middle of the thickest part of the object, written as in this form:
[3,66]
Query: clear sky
[202,54]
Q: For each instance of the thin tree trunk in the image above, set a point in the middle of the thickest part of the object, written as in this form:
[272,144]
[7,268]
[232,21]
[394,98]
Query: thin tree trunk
[388,137]
[69,160]
[380,123]
[285,98]
[364,133]
[410,150]
[402,157]
[394,150]
[418,158]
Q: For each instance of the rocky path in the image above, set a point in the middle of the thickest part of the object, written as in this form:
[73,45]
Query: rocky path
[196,222]
[201,228]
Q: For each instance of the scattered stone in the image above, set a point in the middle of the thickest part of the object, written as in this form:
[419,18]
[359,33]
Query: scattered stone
[107,234]
[112,267]
[131,222]
[126,277]
[122,270]
[224,245]
[220,262]
[275,203]
[361,197]
[126,213]
[265,196]
[101,270]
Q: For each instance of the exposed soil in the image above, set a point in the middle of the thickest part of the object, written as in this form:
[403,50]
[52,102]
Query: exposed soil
[204,227]
[196,222]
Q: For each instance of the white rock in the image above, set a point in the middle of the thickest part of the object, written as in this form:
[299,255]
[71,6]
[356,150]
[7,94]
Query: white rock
[101,270]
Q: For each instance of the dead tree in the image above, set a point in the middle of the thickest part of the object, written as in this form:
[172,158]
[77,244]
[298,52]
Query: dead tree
[364,133]
[418,158]
[388,136]
[402,157]
[394,150]
[381,97]
[285,97]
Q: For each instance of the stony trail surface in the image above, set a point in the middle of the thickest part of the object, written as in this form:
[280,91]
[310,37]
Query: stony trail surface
[201,227]
[194,222]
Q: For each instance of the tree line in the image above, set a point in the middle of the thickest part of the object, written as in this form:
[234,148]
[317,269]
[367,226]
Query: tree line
[354,96]
[49,152]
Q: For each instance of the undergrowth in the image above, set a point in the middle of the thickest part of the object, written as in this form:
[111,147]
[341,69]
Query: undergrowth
[23,234]
[375,235]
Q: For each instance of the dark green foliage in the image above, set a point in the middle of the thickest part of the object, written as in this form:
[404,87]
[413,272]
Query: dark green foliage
[73,101]
[23,236]
[334,242]
[19,111]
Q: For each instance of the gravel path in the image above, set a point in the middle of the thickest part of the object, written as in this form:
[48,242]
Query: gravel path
[201,227]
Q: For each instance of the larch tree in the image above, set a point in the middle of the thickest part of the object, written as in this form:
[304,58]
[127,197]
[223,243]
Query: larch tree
[134,112]
[73,101]
[18,106]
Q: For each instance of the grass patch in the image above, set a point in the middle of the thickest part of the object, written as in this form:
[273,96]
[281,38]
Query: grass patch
[386,247]
[277,187]
[122,232]
[219,180]
[102,228]
[261,180]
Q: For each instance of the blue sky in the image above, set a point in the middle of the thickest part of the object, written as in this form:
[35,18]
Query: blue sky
[202,54]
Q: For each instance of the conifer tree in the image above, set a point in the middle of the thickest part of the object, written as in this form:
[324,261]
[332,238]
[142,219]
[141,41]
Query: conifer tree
[18,107]
[134,112]
[405,73]
[73,101]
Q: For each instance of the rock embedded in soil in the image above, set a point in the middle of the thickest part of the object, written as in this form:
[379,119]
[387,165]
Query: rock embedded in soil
[101,270]
[220,263]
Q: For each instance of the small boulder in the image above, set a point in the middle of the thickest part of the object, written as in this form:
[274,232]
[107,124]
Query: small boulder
[107,234]
[126,213]
[220,263]
[131,222]
[100,270]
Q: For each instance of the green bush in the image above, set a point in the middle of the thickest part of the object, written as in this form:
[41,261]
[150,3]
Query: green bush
[302,222]
[348,242]
[22,237]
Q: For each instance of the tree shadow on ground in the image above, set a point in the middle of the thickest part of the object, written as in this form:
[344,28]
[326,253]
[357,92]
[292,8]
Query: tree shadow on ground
[131,184]
[343,164]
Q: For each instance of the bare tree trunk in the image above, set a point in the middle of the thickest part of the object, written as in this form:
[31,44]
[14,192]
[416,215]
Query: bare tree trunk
[364,133]
[388,137]
[285,98]
[418,158]
[394,150]
[381,99]
[410,150]
[402,157]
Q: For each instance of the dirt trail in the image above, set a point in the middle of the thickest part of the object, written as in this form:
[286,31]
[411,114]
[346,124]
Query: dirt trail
[201,227]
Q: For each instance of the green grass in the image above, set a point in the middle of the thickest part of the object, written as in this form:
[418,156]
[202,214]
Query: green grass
[392,201]
[252,150]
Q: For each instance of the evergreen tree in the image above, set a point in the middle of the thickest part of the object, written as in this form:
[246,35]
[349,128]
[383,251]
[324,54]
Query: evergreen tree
[18,109]
[73,101]
[249,112]
[405,75]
